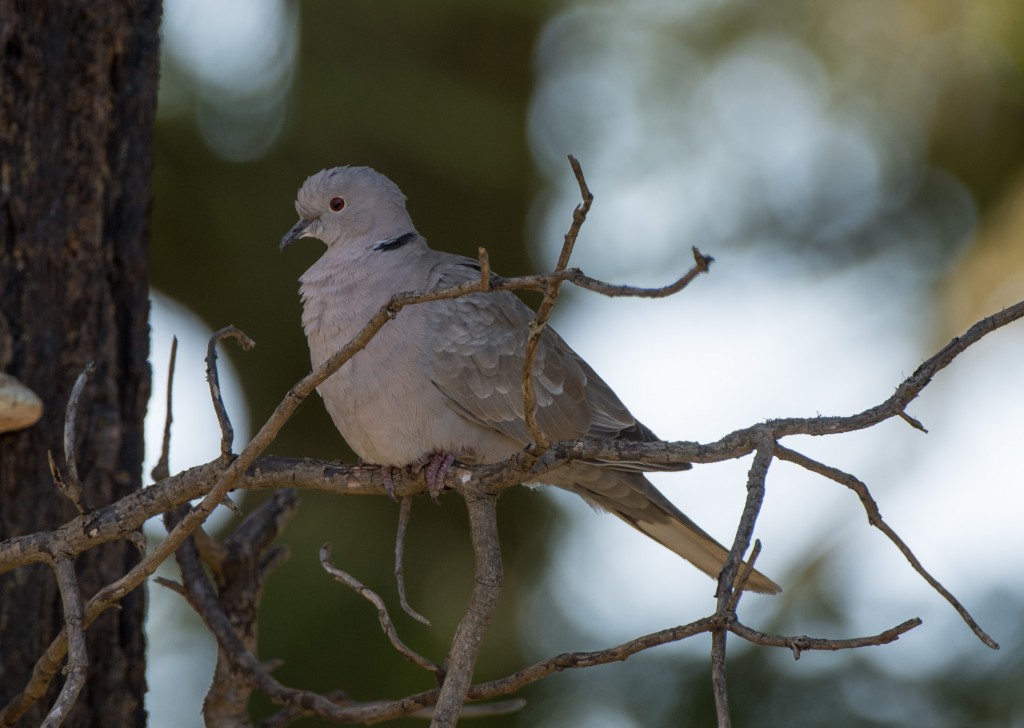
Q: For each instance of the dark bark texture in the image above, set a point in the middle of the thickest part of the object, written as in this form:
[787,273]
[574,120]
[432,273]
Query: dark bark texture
[78,87]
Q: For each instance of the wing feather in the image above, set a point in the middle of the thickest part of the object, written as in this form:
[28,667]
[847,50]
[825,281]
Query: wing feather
[476,357]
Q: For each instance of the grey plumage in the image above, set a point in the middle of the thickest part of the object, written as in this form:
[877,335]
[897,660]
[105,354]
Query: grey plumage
[445,376]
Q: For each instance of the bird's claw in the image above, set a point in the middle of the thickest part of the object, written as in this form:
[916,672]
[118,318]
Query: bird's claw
[437,465]
[440,462]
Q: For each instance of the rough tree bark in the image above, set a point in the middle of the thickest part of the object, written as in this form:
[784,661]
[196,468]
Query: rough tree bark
[77,102]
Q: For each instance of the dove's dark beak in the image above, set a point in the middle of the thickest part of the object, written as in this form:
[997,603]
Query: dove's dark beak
[298,231]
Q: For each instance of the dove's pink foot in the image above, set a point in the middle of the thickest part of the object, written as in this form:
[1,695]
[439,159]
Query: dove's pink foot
[437,468]
[437,464]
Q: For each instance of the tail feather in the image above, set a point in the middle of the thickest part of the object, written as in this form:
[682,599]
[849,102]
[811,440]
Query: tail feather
[631,497]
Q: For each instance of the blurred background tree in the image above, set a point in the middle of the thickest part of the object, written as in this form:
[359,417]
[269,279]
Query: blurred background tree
[863,154]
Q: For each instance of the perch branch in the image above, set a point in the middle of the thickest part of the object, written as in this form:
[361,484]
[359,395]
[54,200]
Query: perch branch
[483,603]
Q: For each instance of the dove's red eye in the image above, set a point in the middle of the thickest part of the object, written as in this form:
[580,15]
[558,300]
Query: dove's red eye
[337,204]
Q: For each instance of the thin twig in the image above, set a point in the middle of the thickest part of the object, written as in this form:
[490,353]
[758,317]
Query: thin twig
[171,585]
[162,469]
[483,603]
[485,269]
[876,520]
[383,616]
[805,643]
[746,569]
[71,486]
[540,319]
[78,660]
[404,511]
[912,421]
[227,436]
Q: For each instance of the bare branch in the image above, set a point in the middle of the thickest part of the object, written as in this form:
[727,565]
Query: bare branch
[162,469]
[213,377]
[404,510]
[47,665]
[576,660]
[214,480]
[727,579]
[71,486]
[483,603]
[913,422]
[746,569]
[485,269]
[382,614]
[540,319]
[804,643]
[744,532]
[876,520]
[240,567]
[171,584]
[78,661]
[719,685]
[579,216]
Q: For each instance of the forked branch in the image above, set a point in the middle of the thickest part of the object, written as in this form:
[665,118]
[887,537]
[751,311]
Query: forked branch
[480,486]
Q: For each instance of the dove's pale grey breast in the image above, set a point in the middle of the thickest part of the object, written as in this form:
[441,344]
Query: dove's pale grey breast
[385,400]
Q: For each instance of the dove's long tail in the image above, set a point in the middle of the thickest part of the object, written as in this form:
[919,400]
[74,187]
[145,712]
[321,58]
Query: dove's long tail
[631,497]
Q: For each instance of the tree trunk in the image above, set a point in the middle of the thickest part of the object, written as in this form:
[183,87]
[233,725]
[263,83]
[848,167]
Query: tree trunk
[78,87]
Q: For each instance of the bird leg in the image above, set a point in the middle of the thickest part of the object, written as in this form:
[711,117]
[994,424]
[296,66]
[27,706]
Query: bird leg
[437,464]
[438,468]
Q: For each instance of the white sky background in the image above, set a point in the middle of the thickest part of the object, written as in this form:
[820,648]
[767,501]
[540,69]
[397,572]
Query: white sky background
[675,147]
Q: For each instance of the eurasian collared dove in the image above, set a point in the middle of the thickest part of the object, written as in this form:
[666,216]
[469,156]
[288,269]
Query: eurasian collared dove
[443,378]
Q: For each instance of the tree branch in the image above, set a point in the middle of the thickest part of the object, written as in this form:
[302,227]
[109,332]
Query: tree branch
[876,520]
[214,480]
[483,603]
[383,617]
[78,662]
[227,437]
[404,510]
[540,319]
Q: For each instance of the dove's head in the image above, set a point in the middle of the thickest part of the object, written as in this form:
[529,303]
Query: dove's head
[349,205]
